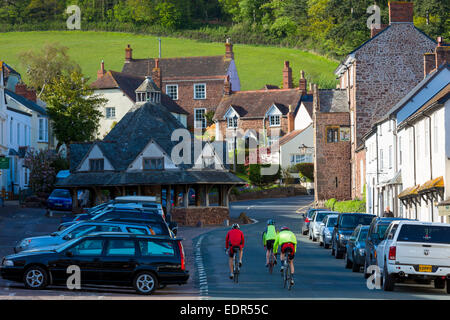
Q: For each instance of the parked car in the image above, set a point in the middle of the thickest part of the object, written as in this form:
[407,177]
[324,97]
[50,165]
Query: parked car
[88,227]
[118,213]
[355,248]
[307,218]
[376,232]
[415,250]
[314,224]
[346,224]
[326,230]
[60,199]
[116,259]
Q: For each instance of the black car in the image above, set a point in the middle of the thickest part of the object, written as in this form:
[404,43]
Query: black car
[346,224]
[377,228]
[118,259]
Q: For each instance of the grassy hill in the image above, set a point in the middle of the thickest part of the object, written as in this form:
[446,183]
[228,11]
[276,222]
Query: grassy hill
[257,65]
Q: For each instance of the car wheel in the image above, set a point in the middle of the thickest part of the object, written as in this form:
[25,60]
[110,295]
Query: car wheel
[326,245]
[145,283]
[35,278]
[439,283]
[348,263]
[314,239]
[305,232]
[309,235]
[388,280]
[366,275]
[332,249]
[448,285]
[321,243]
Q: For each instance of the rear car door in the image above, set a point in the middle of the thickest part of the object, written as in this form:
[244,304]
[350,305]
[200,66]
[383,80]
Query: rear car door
[161,255]
[119,261]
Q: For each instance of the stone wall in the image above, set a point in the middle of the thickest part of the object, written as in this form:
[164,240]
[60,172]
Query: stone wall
[192,216]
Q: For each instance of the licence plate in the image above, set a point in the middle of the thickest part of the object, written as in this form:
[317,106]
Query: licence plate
[424,268]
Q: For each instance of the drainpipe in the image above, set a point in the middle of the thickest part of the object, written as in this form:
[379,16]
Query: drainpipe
[394,132]
[414,156]
[431,160]
[378,170]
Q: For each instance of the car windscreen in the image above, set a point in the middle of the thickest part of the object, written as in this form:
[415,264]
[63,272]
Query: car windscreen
[352,220]
[332,222]
[60,194]
[424,233]
[321,215]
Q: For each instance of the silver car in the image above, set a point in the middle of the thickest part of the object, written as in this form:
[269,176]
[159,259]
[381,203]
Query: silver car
[314,225]
[83,228]
[326,230]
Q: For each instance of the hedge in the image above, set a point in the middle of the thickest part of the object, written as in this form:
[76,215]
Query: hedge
[346,206]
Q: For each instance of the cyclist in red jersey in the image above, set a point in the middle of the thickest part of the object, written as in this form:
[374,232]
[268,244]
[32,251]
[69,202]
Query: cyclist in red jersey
[234,238]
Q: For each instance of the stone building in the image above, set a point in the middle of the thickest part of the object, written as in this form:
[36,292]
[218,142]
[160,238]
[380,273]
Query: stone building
[135,158]
[331,120]
[377,74]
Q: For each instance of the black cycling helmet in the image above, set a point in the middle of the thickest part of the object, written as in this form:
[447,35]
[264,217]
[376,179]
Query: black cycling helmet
[270,222]
[284,228]
[235,226]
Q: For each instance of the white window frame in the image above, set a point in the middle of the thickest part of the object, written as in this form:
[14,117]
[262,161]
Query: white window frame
[195,91]
[168,91]
[274,123]
[45,129]
[110,116]
[234,124]
[203,126]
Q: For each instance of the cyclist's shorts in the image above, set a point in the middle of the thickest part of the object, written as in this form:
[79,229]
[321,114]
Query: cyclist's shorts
[291,248]
[231,251]
[269,244]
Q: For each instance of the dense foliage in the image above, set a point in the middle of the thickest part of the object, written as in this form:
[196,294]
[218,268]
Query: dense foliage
[329,26]
[346,206]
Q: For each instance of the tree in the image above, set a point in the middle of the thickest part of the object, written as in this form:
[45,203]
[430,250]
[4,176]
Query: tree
[42,172]
[51,62]
[73,108]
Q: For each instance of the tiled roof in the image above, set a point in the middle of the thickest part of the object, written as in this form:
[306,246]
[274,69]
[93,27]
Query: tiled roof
[334,100]
[291,135]
[128,84]
[177,68]
[27,103]
[255,104]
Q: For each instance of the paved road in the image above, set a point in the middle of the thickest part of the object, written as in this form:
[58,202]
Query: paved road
[318,274]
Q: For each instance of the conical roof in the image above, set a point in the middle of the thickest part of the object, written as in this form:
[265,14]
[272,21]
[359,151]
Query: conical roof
[148,86]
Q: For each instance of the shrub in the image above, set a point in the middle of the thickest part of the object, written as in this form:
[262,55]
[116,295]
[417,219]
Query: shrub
[306,171]
[330,203]
[350,206]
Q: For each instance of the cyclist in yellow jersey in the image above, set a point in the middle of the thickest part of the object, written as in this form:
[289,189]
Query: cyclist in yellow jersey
[287,241]
[269,236]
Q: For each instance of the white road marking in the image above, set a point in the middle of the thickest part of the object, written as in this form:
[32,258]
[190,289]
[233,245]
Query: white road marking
[203,282]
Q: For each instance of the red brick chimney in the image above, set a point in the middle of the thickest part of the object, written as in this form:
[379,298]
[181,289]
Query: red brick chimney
[287,76]
[128,54]
[22,90]
[101,72]
[429,63]
[374,31]
[291,120]
[227,86]
[229,54]
[401,11]
[156,74]
[302,84]
[442,52]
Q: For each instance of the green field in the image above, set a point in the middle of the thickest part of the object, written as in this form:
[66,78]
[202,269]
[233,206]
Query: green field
[257,65]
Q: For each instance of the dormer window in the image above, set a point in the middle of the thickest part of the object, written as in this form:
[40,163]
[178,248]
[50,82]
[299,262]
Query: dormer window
[275,120]
[96,164]
[148,91]
[233,122]
[153,163]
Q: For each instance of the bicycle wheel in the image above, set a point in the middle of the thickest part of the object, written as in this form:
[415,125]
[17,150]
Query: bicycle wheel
[270,261]
[285,272]
[289,276]
[236,266]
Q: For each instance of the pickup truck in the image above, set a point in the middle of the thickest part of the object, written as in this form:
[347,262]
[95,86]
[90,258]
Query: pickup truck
[415,250]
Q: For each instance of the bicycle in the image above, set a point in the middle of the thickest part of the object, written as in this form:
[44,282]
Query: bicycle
[287,276]
[236,264]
